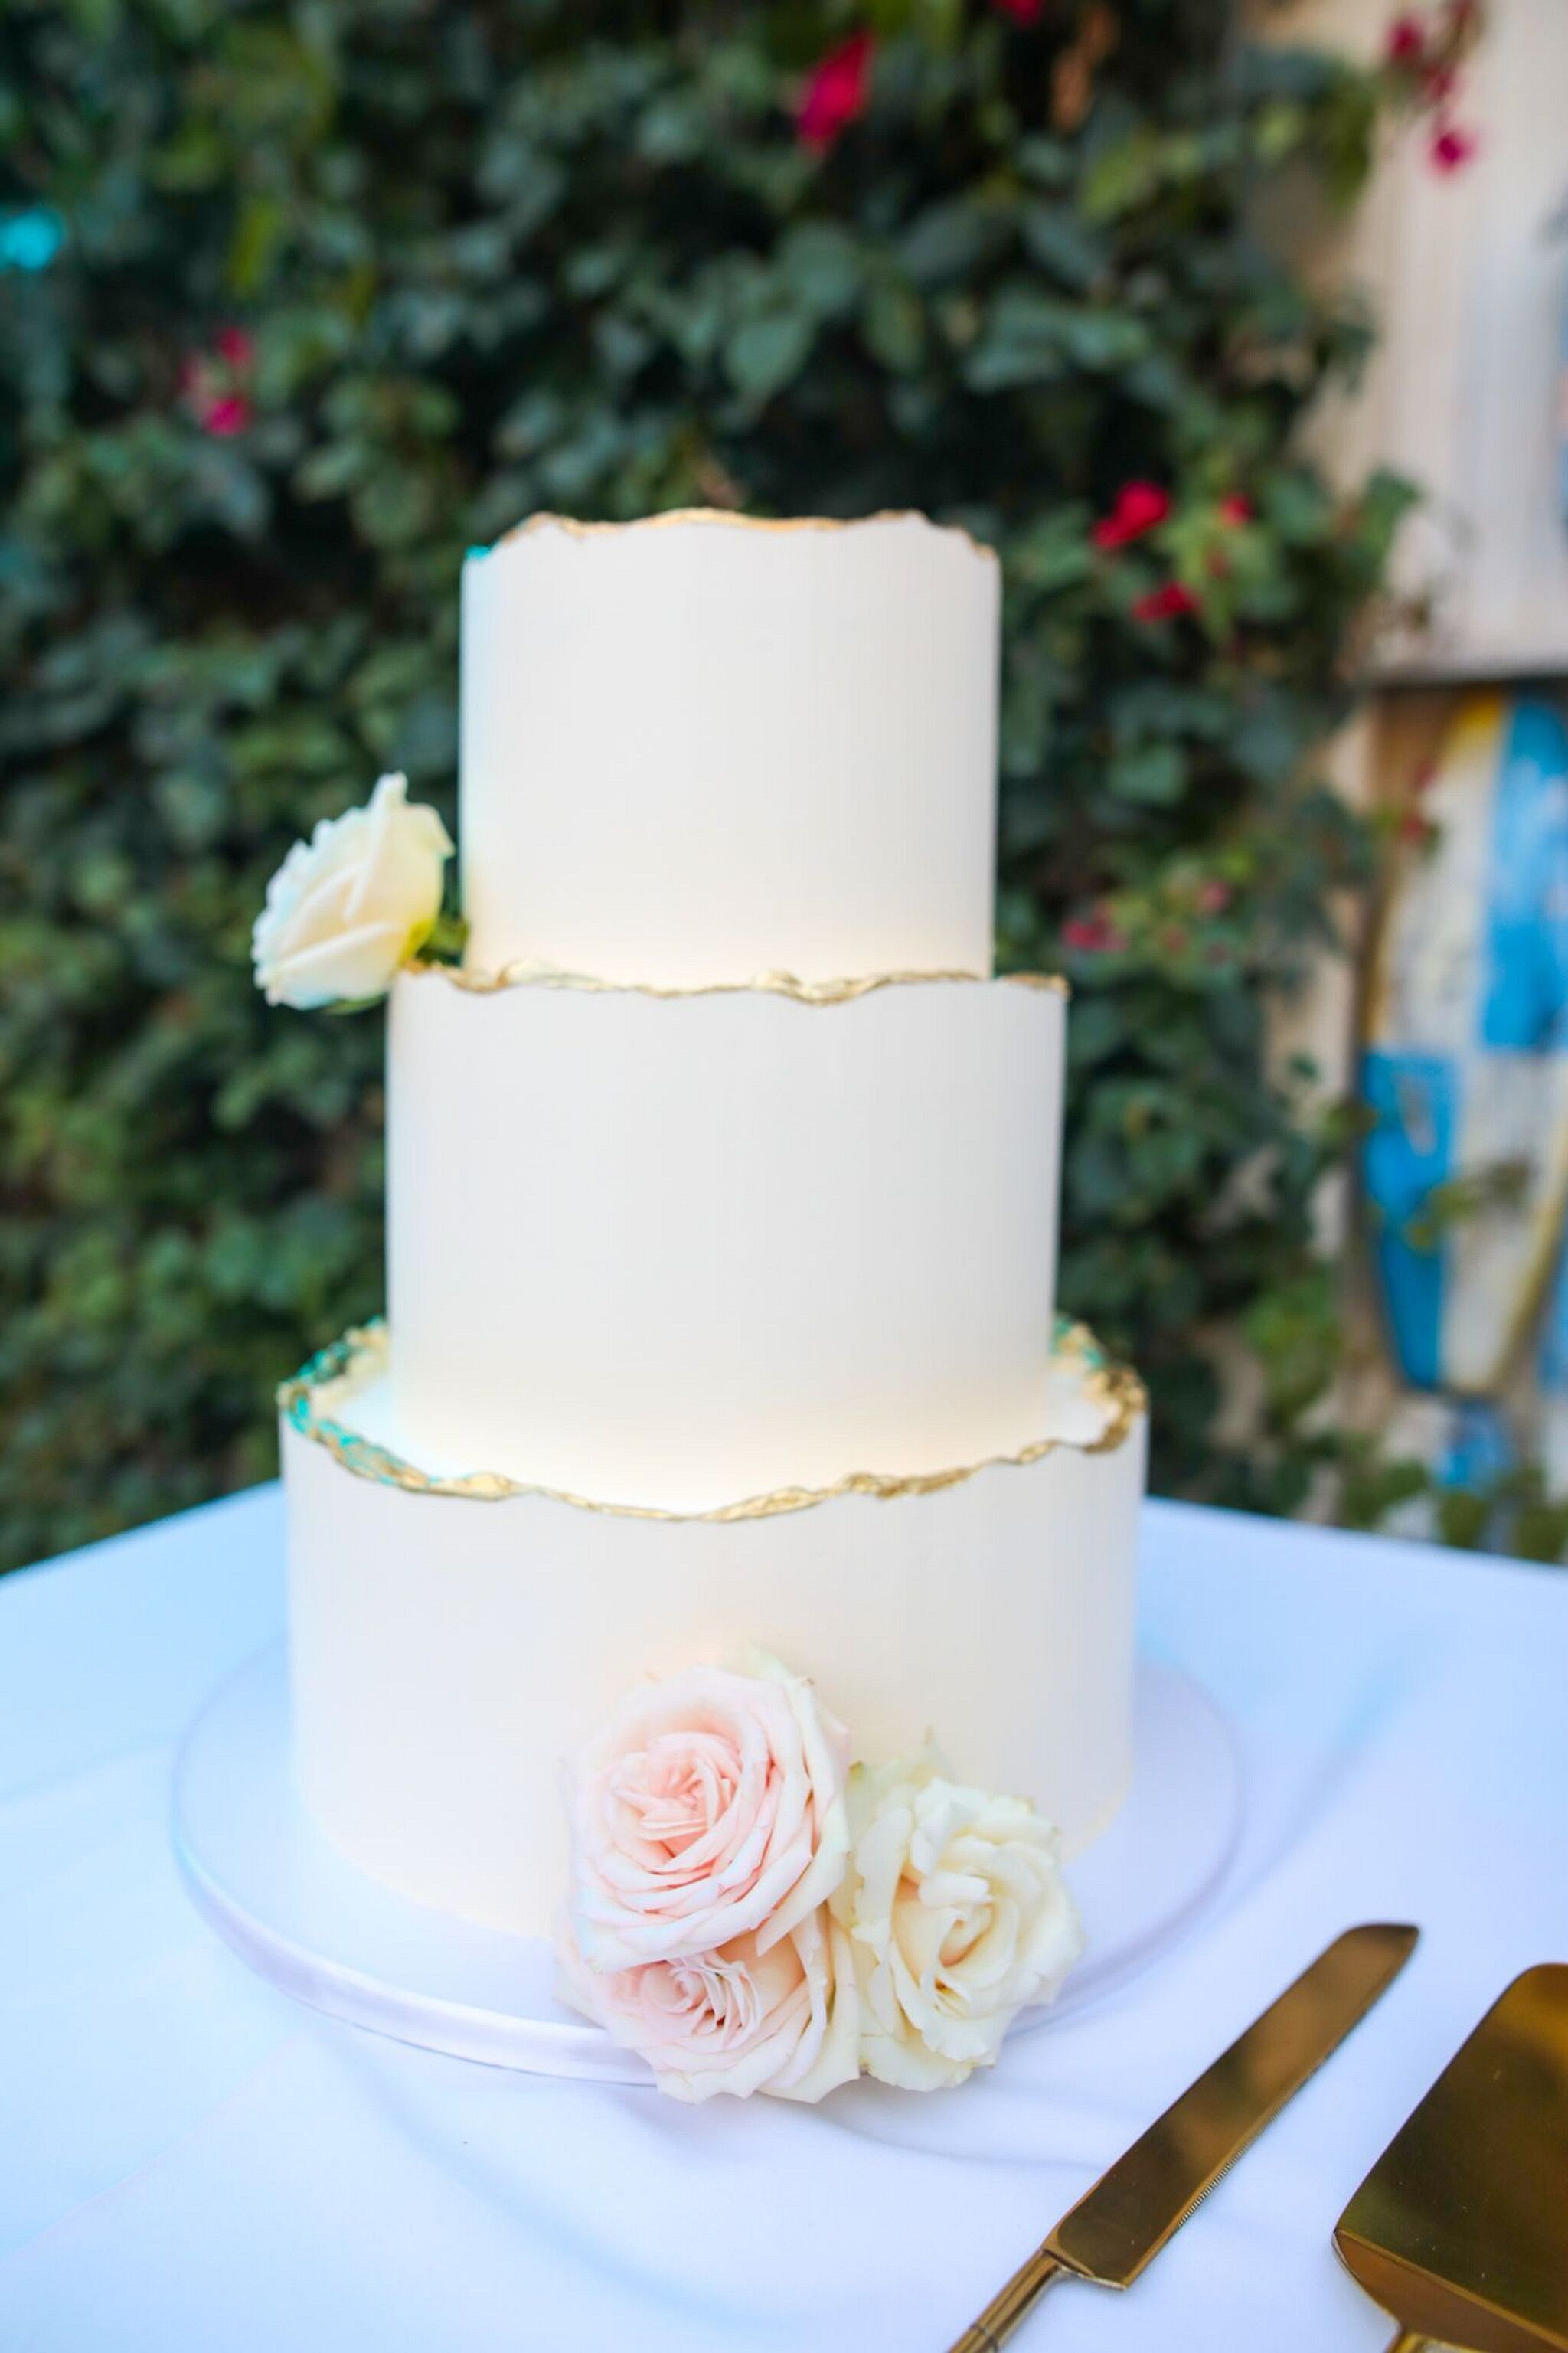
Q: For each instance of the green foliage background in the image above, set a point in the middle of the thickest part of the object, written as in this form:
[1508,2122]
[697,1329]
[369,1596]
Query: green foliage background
[498,256]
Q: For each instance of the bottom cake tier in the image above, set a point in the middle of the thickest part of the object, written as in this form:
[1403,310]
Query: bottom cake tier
[453,1635]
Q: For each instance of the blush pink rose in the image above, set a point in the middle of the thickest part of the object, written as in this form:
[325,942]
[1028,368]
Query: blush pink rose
[785,2022]
[709,1808]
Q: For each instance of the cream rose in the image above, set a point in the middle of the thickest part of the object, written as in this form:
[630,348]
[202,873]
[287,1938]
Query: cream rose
[348,907]
[741,2019]
[958,1916]
[711,1806]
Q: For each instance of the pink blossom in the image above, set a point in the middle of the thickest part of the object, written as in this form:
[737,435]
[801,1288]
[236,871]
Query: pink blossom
[1406,41]
[1235,510]
[1451,147]
[1139,507]
[1214,897]
[1022,12]
[1166,603]
[836,92]
[213,382]
[1093,934]
[229,414]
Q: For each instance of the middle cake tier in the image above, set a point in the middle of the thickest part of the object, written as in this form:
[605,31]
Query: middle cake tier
[671,1250]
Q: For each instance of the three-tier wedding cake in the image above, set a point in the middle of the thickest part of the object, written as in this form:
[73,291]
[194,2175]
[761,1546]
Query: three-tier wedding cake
[721,1225]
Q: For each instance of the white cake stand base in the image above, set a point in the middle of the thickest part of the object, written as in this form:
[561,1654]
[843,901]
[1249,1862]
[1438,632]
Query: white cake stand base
[302,1916]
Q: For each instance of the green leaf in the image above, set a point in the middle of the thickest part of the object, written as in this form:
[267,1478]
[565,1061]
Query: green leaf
[764,355]
[894,326]
[1155,774]
[947,240]
[1065,244]
[259,233]
[1021,343]
[822,263]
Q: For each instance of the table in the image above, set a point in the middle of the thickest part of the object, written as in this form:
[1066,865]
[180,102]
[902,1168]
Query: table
[190,2164]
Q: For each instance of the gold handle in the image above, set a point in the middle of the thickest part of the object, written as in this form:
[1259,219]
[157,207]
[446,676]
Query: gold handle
[1005,2310]
[1407,2340]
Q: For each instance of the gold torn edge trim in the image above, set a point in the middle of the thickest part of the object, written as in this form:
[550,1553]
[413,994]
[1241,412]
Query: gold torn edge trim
[525,975]
[574,529]
[366,1350]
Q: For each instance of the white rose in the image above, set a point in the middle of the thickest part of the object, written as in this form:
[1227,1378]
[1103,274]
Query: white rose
[348,907]
[958,1916]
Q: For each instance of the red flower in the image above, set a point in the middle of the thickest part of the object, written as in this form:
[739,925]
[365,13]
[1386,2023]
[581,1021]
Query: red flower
[213,382]
[1022,12]
[228,414]
[1165,604]
[1406,41]
[835,92]
[1093,934]
[1139,507]
[1235,510]
[1451,147]
[1214,898]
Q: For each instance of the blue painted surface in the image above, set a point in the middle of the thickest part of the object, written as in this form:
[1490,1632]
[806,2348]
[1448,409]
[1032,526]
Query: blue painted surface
[1414,1098]
[1479,1446]
[30,240]
[1552,1364]
[1524,1000]
[1429,1107]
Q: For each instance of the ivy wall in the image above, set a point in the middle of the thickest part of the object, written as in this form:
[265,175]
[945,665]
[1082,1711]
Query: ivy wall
[298,302]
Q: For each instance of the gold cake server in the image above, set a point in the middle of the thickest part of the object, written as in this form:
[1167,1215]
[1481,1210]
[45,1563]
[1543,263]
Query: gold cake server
[1149,2192]
[1460,2230]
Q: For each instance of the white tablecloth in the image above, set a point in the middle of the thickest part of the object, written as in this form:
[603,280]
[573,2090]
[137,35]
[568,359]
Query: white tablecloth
[189,2164]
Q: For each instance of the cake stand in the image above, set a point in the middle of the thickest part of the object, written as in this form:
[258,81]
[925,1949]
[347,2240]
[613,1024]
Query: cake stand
[291,1907]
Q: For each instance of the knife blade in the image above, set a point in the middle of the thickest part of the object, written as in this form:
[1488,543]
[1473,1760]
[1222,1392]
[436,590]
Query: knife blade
[1145,2196]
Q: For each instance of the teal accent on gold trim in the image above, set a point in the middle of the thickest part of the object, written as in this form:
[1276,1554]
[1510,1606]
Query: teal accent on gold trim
[365,1351]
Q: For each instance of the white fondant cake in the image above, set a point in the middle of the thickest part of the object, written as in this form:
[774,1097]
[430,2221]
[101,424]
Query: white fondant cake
[721,1300]
[677,1250]
[696,749]
[449,1651]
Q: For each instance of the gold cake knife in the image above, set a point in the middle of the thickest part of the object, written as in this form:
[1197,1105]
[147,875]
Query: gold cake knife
[1147,2195]
[1461,2228]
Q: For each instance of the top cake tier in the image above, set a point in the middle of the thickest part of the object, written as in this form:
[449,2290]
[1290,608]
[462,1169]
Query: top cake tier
[702,748]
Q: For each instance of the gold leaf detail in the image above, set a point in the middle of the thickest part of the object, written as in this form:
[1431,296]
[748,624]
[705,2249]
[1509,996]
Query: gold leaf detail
[726,516]
[364,1351]
[525,975]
